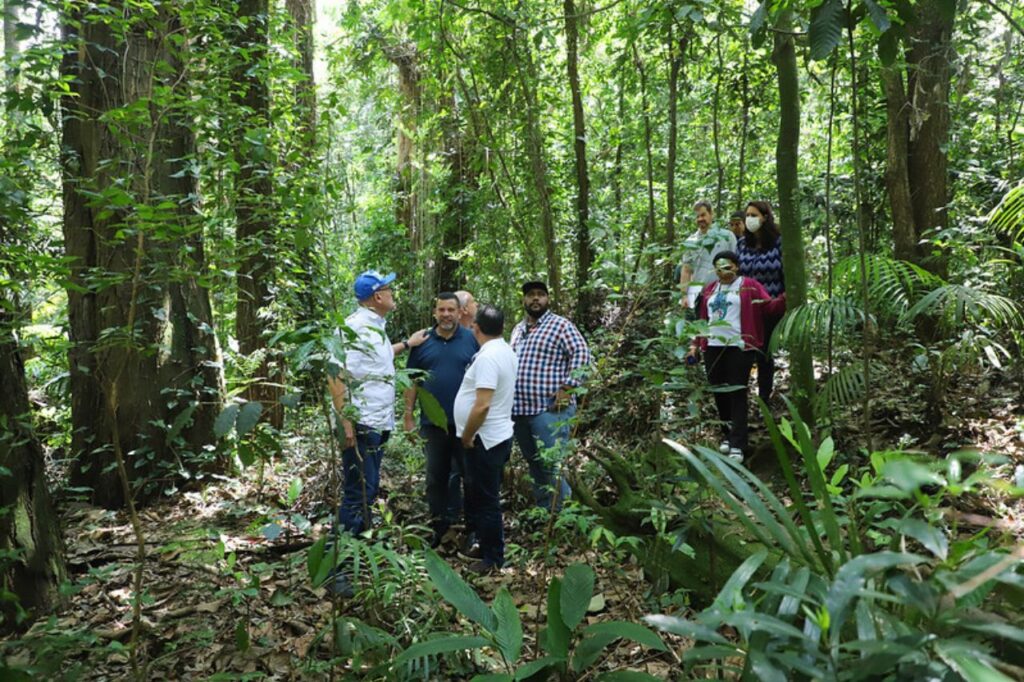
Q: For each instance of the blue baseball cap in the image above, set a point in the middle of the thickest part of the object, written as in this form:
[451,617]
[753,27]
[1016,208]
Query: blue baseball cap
[369,282]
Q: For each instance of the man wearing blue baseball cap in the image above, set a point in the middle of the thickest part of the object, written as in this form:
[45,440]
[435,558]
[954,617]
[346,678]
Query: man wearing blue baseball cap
[367,383]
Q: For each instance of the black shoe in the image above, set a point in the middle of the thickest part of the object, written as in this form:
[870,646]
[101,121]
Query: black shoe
[470,548]
[338,584]
[483,567]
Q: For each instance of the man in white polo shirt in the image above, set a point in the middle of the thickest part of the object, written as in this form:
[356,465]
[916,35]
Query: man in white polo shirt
[368,384]
[483,420]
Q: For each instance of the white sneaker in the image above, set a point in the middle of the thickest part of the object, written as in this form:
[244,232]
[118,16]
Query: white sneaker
[736,455]
[724,447]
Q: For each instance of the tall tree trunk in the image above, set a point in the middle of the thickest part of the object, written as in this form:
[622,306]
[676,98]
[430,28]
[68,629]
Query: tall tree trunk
[744,130]
[135,250]
[254,234]
[649,231]
[897,180]
[29,529]
[302,16]
[675,66]
[10,19]
[787,176]
[456,224]
[584,254]
[715,136]
[403,56]
[528,78]
[929,62]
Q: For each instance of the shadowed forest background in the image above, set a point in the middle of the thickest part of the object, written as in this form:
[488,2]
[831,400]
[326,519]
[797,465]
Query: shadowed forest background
[188,189]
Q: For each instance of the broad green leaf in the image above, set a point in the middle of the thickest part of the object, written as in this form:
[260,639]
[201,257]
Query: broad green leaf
[242,636]
[826,451]
[509,633]
[528,670]
[878,16]
[225,420]
[763,669]
[752,621]
[493,677]
[577,588]
[315,556]
[687,628]
[589,649]
[460,595]
[433,647]
[826,30]
[271,531]
[627,630]
[972,667]
[557,633]
[248,416]
[933,539]
[908,475]
[183,419]
[294,490]
[432,408]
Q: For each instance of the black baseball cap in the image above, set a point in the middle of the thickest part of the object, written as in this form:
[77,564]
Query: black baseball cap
[530,286]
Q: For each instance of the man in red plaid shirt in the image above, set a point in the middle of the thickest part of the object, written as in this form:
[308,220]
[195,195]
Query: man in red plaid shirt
[553,357]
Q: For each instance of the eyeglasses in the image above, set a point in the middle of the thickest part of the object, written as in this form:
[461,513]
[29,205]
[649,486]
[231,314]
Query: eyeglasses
[727,268]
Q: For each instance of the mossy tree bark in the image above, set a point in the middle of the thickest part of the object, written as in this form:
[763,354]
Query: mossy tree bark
[788,179]
[33,564]
[135,246]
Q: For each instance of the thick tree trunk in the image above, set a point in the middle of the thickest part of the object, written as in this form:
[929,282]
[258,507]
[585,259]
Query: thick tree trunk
[584,253]
[143,348]
[254,234]
[455,225]
[29,530]
[929,62]
[787,176]
[897,180]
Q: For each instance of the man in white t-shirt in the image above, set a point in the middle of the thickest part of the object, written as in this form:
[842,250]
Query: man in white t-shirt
[483,420]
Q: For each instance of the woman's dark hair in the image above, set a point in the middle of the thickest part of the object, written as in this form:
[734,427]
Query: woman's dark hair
[728,255]
[490,320]
[766,237]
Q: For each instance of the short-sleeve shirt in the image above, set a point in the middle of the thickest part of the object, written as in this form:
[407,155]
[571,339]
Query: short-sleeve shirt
[493,367]
[445,360]
[551,353]
[724,314]
[699,252]
[370,366]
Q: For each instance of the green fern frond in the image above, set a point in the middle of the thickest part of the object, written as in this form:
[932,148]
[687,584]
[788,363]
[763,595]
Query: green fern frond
[891,283]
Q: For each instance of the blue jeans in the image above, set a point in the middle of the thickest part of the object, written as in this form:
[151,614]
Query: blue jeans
[444,457]
[483,472]
[361,472]
[549,430]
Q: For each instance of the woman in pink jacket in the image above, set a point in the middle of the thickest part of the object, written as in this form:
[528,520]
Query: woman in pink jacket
[737,308]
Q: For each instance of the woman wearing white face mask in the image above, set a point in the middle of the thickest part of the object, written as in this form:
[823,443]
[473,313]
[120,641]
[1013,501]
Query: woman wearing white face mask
[760,252]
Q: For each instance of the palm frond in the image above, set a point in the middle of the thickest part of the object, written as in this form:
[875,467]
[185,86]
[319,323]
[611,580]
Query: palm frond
[956,304]
[810,322]
[845,387]
[891,283]
[1008,216]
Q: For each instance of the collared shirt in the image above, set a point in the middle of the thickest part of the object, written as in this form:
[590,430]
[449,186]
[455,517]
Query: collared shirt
[370,370]
[493,367]
[445,361]
[551,354]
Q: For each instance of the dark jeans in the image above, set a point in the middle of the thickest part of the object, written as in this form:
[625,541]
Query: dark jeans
[548,430]
[484,469]
[361,471]
[730,366]
[444,457]
[766,363]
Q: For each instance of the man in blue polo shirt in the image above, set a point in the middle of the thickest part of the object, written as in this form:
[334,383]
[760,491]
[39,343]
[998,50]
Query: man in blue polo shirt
[445,354]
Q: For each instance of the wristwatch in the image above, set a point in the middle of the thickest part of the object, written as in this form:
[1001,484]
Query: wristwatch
[405,344]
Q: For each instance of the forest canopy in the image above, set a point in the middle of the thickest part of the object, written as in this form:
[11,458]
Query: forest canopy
[195,196]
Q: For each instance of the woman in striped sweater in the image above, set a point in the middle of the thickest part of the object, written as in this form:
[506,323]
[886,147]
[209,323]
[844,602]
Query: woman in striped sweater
[760,252]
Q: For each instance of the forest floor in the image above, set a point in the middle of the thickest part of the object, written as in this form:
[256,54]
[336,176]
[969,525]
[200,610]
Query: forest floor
[228,594]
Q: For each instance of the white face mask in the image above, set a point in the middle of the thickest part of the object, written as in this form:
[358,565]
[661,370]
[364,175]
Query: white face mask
[753,223]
